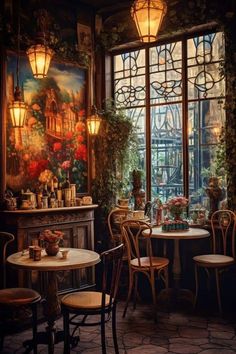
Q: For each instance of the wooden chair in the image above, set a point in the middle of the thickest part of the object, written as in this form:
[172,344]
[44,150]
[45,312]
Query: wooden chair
[141,259]
[223,224]
[114,220]
[92,303]
[14,299]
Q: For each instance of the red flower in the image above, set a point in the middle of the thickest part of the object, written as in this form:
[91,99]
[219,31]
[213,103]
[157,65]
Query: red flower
[69,135]
[82,113]
[33,169]
[80,138]
[81,153]
[43,164]
[57,147]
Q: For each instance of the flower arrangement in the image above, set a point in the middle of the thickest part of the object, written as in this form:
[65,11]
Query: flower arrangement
[176,205]
[51,236]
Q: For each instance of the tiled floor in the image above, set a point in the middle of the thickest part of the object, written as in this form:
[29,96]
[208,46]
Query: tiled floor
[178,332]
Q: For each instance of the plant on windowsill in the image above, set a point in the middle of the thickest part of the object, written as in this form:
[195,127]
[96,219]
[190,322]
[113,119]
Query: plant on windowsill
[115,150]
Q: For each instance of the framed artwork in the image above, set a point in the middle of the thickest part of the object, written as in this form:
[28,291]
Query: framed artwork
[84,38]
[53,140]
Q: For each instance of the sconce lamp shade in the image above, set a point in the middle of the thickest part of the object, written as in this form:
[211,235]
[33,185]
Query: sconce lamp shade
[18,110]
[39,57]
[93,122]
[148,16]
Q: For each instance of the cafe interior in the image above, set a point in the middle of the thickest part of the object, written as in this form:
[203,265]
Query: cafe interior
[118,178]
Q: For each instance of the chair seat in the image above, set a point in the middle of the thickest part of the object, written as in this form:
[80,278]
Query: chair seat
[18,296]
[84,300]
[213,260]
[157,262]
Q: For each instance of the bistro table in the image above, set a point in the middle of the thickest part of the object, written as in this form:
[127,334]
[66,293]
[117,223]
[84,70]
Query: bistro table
[176,236]
[77,258]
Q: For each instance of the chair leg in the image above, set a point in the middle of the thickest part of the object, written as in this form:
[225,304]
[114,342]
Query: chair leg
[114,329]
[66,327]
[218,290]
[34,326]
[152,282]
[135,290]
[103,333]
[166,275]
[196,286]
[129,291]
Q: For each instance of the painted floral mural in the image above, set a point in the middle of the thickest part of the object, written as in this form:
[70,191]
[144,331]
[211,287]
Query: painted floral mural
[53,140]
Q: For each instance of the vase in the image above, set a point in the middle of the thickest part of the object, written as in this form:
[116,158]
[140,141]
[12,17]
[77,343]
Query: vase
[52,248]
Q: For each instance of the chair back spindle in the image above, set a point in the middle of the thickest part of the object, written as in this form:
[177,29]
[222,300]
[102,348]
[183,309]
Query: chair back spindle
[111,264]
[223,223]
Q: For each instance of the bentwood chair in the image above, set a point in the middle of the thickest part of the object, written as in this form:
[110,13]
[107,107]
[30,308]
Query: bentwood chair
[141,259]
[14,300]
[223,224]
[114,220]
[80,306]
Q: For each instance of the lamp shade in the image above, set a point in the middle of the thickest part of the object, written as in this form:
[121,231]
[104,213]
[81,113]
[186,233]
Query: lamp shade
[93,122]
[148,16]
[39,57]
[18,110]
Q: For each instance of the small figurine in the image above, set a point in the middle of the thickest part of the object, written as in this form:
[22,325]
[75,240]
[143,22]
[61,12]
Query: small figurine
[215,194]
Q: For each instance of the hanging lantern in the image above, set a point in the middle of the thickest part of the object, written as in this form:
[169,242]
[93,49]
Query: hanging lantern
[93,122]
[39,57]
[18,110]
[148,16]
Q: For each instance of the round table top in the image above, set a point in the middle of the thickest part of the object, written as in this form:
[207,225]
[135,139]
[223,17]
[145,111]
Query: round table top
[76,258]
[190,234]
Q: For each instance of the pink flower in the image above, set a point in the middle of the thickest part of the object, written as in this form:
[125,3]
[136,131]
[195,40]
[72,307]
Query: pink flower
[66,165]
[51,236]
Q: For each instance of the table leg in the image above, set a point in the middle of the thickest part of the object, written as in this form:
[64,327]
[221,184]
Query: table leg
[52,309]
[176,295]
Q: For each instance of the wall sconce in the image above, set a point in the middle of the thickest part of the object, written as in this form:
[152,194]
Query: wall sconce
[148,16]
[93,122]
[40,54]
[18,108]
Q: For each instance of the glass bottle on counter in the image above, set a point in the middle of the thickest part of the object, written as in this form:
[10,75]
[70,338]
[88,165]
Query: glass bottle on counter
[52,197]
[59,192]
[45,197]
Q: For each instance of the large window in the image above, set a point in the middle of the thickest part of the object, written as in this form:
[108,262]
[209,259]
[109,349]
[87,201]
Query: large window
[174,93]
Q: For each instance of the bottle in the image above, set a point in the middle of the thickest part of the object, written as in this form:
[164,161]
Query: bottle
[39,198]
[67,191]
[55,184]
[66,184]
[159,212]
[45,197]
[59,192]
[52,198]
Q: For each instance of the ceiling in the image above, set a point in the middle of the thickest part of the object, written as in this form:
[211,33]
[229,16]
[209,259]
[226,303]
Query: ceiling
[107,8]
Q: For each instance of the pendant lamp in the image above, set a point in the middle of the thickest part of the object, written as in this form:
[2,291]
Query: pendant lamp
[148,16]
[93,122]
[40,54]
[18,108]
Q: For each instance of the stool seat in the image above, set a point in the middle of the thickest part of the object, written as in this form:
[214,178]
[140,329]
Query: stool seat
[18,296]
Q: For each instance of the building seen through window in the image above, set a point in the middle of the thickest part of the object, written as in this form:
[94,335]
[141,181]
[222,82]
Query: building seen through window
[175,93]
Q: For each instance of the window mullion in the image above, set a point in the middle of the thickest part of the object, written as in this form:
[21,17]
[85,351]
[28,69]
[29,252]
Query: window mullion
[185,119]
[148,127]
